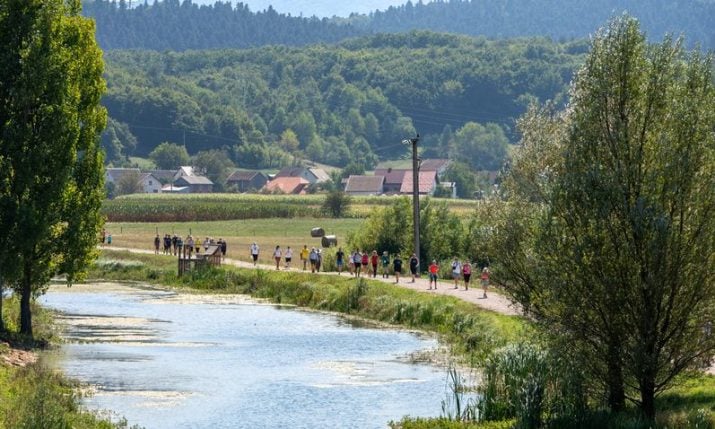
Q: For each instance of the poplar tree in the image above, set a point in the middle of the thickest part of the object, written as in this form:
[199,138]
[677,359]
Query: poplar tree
[609,237]
[51,180]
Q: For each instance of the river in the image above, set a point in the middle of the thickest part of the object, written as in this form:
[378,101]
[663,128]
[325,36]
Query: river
[167,360]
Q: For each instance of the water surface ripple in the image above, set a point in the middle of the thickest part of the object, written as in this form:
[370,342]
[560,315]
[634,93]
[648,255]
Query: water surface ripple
[164,360]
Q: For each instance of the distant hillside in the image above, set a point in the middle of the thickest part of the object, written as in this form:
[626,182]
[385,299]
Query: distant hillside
[180,25]
[354,102]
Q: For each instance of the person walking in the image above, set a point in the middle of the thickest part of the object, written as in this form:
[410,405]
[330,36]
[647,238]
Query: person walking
[224,247]
[179,244]
[485,280]
[433,274]
[456,272]
[190,244]
[313,259]
[157,244]
[255,250]
[288,257]
[414,263]
[318,260]
[304,256]
[373,261]
[109,239]
[385,259]
[207,243]
[397,267]
[339,258]
[167,244]
[351,263]
[357,261]
[277,256]
[174,238]
[365,261]
[466,273]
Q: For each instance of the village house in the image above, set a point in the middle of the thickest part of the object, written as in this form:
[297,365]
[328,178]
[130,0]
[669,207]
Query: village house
[247,181]
[286,185]
[311,175]
[365,185]
[147,181]
[195,184]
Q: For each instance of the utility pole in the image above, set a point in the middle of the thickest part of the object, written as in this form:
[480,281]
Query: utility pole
[415,194]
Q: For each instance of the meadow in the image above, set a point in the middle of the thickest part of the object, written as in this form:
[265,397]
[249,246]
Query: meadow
[210,207]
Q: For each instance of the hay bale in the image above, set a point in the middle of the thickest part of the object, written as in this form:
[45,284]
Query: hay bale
[329,240]
[317,232]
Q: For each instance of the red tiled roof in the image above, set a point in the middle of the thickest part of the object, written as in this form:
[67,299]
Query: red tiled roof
[433,164]
[427,180]
[393,176]
[287,185]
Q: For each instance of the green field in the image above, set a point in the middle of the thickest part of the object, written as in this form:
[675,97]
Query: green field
[238,233]
[205,207]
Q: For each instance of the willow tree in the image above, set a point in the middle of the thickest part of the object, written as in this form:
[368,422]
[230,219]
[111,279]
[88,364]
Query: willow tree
[51,181]
[609,238]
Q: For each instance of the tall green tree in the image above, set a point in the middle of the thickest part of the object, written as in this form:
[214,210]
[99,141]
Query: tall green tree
[610,239]
[51,183]
[481,146]
[170,156]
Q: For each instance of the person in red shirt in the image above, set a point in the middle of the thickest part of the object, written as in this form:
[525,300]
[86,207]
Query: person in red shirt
[433,273]
[373,261]
[466,273]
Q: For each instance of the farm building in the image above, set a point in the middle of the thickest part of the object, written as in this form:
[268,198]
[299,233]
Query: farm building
[246,181]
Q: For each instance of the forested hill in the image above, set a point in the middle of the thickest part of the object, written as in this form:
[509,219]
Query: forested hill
[180,25]
[559,19]
[355,101]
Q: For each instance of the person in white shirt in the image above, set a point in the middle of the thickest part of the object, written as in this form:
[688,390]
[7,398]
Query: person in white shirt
[456,272]
[254,253]
[288,257]
[277,256]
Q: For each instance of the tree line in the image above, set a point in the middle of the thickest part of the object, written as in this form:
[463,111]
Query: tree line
[180,25]
[352,102]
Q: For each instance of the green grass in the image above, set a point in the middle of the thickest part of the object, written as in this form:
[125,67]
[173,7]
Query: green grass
[142,163]
[175,207]
[238,233]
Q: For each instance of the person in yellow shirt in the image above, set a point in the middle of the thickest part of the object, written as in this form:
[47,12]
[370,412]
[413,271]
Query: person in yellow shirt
[304,256]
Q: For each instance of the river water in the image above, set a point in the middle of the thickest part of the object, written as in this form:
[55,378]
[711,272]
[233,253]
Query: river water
[166,360]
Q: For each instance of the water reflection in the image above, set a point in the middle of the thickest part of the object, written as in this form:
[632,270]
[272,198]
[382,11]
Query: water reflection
[195,361]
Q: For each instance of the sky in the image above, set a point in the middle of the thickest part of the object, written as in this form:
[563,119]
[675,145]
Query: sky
[320,8]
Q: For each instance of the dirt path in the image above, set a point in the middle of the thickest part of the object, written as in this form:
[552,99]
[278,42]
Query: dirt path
[493,302]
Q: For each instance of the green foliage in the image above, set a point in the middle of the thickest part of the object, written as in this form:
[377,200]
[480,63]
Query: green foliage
[390,229]
[221,25]
[482,146]
[51,178]
[169,156]
[608,238]
[196,208]
[249,100]
[336,203]
[214,164]
[35,397]
[462,175]
[128,183]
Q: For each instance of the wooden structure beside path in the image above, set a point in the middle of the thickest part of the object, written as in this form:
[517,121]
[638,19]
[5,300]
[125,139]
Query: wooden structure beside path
[189,261]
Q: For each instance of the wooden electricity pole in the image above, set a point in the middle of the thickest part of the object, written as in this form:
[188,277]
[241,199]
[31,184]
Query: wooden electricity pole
[416,195]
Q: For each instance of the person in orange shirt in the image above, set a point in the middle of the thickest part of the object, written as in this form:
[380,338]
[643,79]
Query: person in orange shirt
[433,273]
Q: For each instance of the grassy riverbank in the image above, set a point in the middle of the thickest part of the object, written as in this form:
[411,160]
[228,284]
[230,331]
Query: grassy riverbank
[32,396]
[471,332]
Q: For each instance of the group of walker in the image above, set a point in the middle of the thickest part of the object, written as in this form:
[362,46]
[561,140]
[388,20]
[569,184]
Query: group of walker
[174,244]
[313,256]
[369,263]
